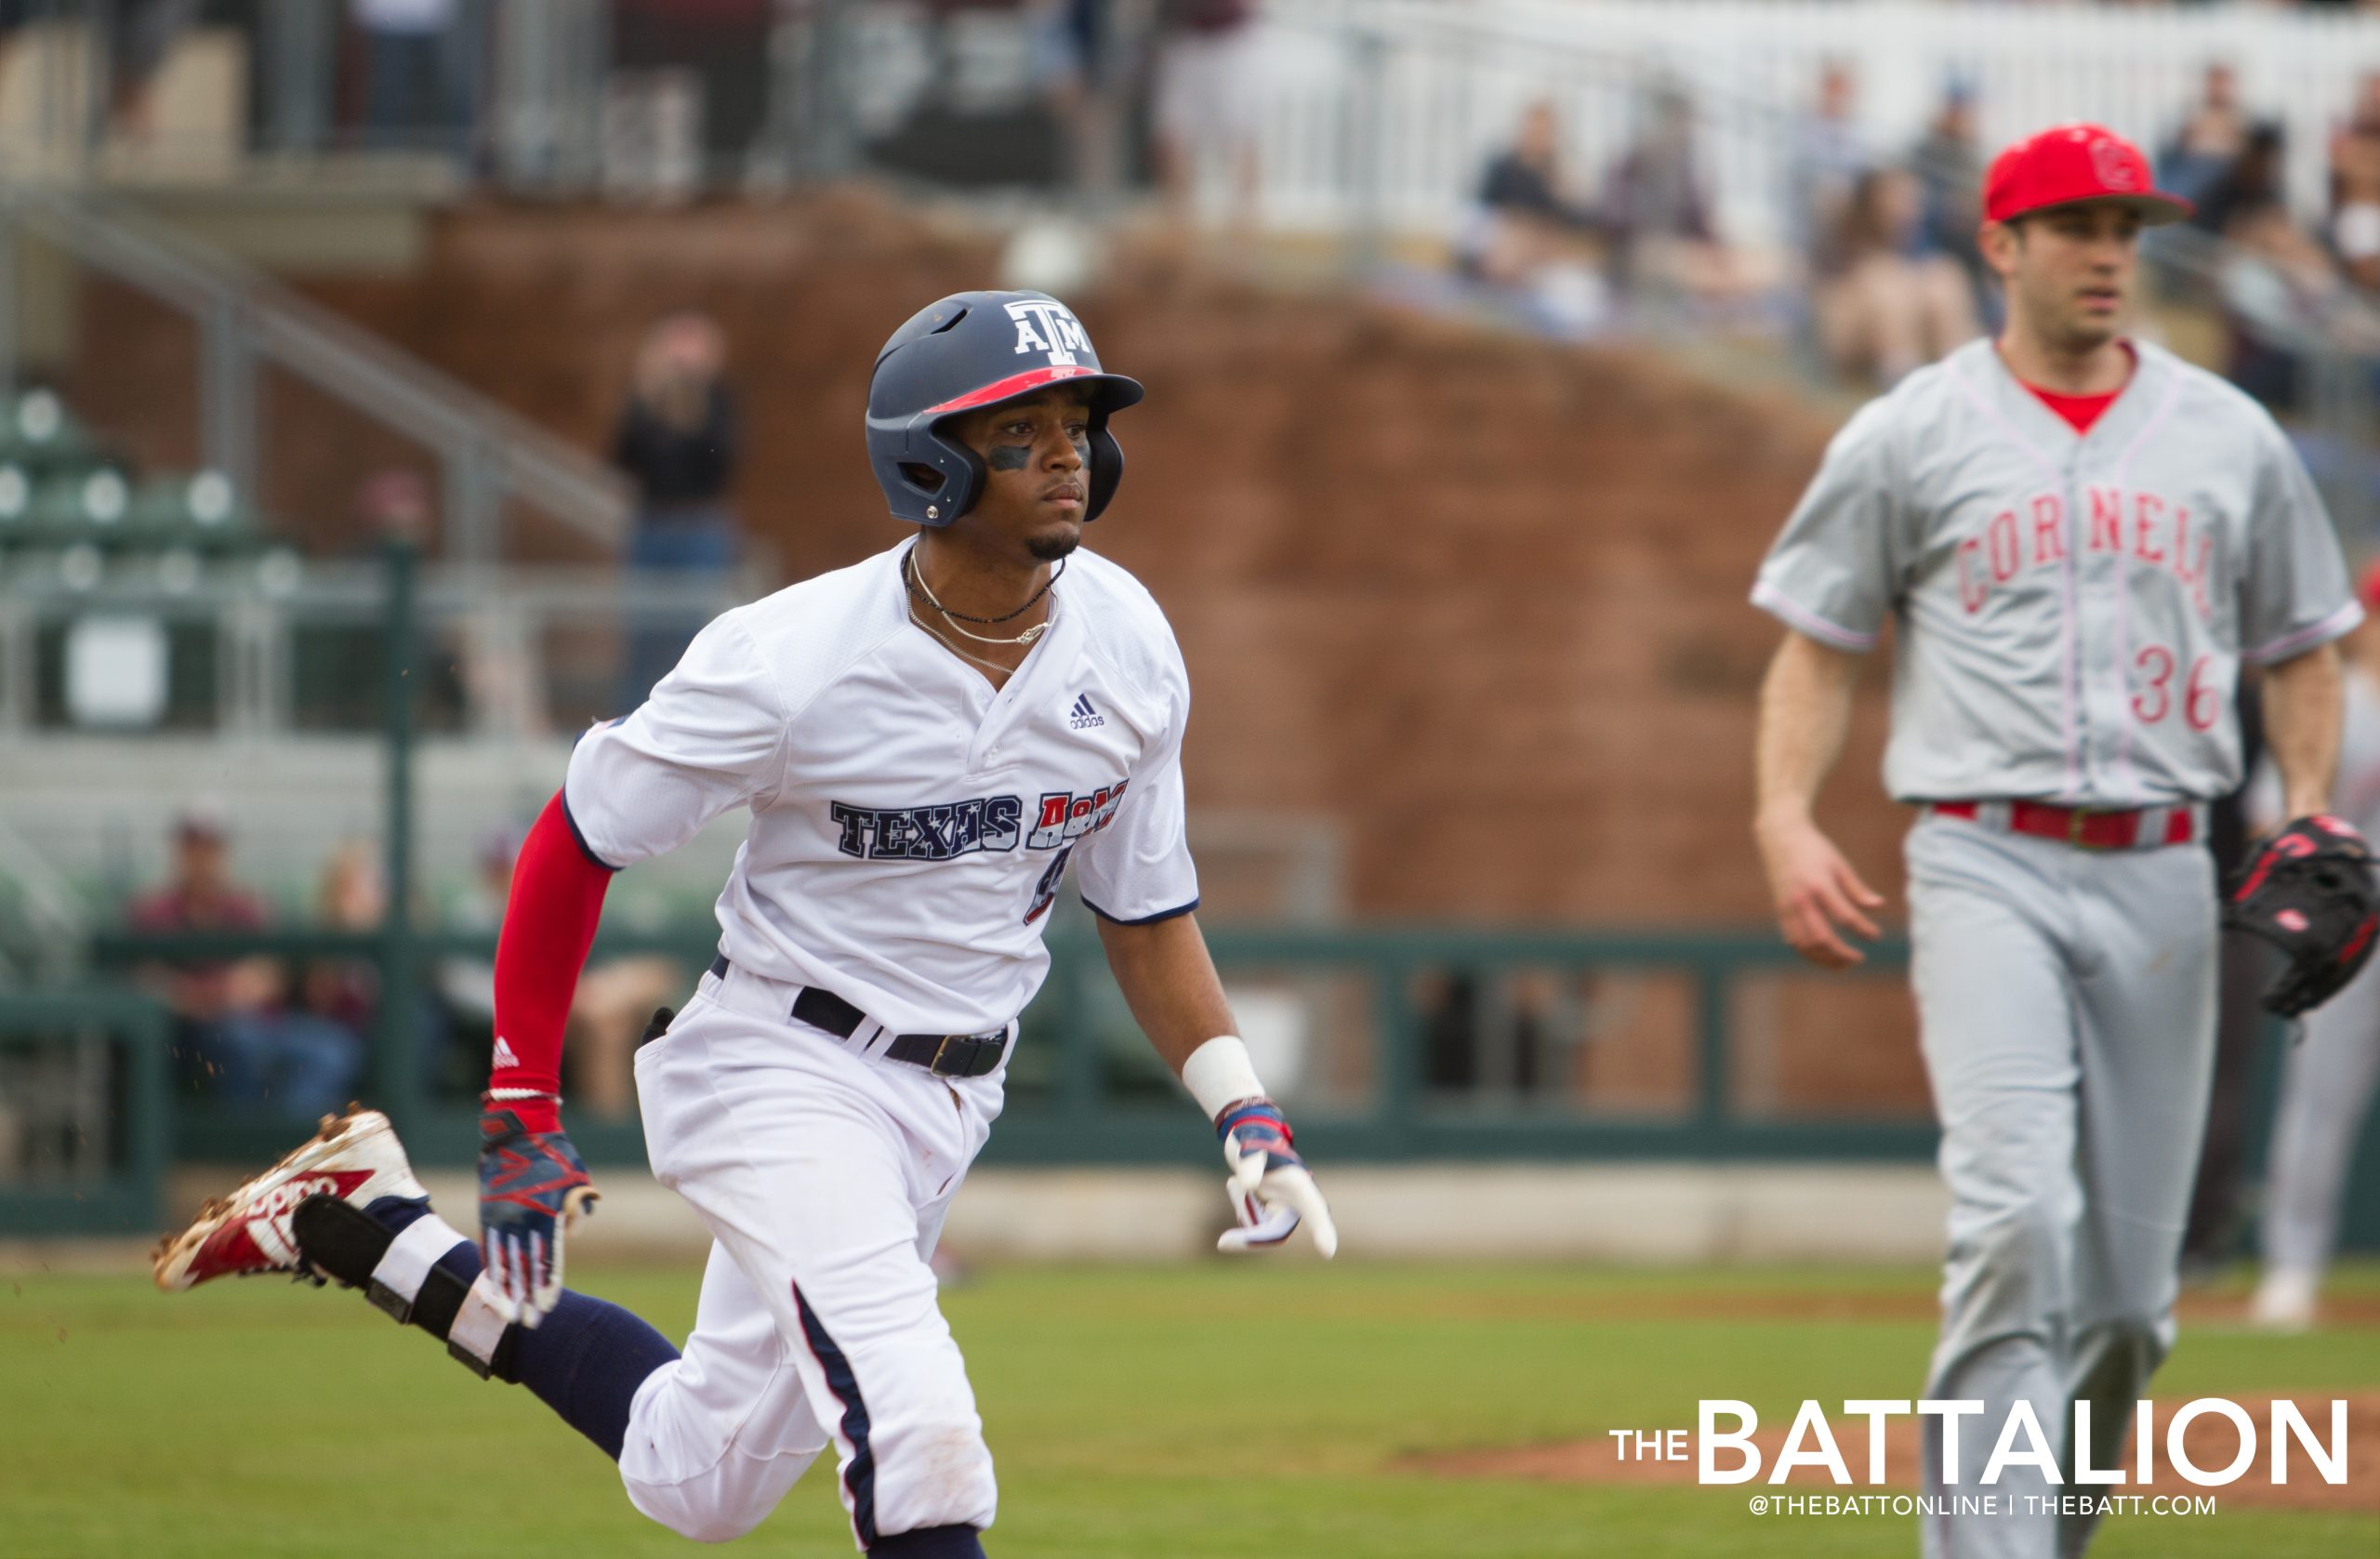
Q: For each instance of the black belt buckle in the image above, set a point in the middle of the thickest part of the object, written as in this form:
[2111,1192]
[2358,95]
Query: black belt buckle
[965,1055]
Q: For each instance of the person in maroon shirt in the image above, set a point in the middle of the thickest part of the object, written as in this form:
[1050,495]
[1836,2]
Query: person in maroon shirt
[228,1018]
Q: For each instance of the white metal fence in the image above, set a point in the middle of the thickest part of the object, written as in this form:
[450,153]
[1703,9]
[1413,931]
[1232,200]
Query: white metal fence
[1408,99]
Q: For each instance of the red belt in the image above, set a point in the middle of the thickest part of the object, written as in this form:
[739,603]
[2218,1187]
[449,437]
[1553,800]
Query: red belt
[2080,825]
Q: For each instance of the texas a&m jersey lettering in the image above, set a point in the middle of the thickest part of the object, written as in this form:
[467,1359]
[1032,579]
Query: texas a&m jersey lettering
[1045,893]
[946,830]
[940,832]
[1065,816]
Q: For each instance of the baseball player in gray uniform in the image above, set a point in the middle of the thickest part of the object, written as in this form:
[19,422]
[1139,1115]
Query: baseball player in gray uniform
[2331,1073]
[2080,539]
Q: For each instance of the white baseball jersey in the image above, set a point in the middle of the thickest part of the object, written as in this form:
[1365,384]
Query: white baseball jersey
[2072,609]
[910,824]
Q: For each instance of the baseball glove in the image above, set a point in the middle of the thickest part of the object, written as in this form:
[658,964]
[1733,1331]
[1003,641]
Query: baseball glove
[2309,891]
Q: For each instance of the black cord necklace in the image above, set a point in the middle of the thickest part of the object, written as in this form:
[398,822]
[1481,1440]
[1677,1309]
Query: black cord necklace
[914,576]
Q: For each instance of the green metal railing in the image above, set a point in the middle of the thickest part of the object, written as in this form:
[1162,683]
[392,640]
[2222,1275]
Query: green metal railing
[1083,1090]
[114,1191]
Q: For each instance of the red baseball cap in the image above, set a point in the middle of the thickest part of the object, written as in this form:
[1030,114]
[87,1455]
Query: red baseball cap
[2068,163]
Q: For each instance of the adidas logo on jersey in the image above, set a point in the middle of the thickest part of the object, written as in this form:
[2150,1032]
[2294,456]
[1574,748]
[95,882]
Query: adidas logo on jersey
[1083,716]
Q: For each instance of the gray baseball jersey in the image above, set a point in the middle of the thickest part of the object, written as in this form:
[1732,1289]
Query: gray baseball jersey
[2072,609]
[2071,612]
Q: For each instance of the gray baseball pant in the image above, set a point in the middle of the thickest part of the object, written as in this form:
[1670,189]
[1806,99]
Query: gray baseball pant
[2326,1085]
[2066,1002]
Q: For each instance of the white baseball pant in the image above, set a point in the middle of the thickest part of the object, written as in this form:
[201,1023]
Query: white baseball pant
[824,1177]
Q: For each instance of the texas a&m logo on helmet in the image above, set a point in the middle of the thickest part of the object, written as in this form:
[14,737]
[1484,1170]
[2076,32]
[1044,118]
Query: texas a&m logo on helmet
[1046,325]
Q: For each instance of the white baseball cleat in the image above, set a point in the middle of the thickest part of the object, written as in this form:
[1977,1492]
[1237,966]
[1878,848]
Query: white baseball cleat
[2286,1300]
[355,1156]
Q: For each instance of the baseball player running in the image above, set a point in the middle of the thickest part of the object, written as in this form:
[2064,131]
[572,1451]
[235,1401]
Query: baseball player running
[2080,539]
[925,741]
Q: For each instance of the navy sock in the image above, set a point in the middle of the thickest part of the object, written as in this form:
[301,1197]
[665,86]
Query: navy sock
[930,1542]
[585,1359]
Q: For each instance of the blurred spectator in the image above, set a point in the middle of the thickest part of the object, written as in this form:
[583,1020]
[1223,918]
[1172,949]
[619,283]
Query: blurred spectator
[421,69]
[2280,296]
[354,897]
[144,32]
[1450,1033]
[1206,102]
[1827,159]
[1890,302]
[608,1012]
[2254,180]
[2355,207]
[482,676]
[1076,49]
[2364,117]
[393,505]
[1530,231]
[677,441]
[1664,243]
[2208,141]
[1480,1031]
[227,1023]
[466,983]
[1948,161]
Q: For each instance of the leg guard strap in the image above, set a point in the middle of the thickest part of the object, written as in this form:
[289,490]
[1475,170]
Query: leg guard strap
[481,1340]
[412,1260]
[407,1275]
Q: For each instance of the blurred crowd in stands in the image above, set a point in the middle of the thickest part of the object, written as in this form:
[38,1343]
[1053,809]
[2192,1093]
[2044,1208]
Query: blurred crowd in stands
[2284,287]
[292,1035]
[1881,273]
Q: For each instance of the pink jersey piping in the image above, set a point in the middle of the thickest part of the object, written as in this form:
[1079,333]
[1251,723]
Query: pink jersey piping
[1771,599]
[2123,581]
[2306,638]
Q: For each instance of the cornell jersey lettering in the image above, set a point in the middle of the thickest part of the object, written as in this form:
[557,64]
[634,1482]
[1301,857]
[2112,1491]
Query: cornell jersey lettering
[2073,608]
[877,766]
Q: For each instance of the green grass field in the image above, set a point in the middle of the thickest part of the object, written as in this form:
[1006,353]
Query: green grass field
[1198,1412]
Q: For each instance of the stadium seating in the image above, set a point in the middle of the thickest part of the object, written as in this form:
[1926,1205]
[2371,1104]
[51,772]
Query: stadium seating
[63,490]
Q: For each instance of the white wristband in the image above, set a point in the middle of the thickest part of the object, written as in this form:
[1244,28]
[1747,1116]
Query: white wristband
[1219,1073]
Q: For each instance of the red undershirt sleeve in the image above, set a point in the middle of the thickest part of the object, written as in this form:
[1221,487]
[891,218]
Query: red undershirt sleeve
[549,920]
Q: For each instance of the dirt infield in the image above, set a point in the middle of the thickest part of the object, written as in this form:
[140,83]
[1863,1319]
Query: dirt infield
[2211,1442]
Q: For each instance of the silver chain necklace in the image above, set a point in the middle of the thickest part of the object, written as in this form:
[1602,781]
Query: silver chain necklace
[986,665]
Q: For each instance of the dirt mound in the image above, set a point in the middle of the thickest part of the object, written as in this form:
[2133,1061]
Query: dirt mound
[2212,1441]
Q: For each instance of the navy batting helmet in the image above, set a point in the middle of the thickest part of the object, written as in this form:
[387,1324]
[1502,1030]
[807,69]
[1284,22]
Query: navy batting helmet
[973,349]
